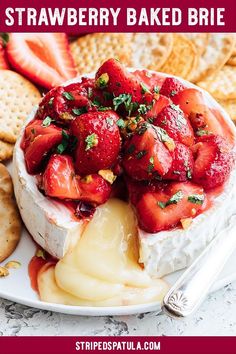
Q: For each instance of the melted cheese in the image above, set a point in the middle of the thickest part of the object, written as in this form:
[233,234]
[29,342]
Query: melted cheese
[103,268]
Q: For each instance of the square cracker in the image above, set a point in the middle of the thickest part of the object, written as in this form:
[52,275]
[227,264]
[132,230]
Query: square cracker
[17,98]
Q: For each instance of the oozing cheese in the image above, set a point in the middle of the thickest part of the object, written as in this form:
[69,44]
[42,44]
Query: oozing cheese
[103,267]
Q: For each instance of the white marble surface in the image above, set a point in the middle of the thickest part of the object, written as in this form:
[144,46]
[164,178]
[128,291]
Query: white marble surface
[217,316]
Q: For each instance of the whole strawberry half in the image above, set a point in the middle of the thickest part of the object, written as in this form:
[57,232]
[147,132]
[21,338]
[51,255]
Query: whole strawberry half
[214,161]
[146,156]
[98,141]
[44,58]
[3,59]
[158,211]
[113,77]
[182,163]
[178,127]
[171,87]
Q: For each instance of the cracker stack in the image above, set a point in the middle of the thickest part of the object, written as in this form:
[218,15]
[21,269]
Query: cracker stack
[17,98]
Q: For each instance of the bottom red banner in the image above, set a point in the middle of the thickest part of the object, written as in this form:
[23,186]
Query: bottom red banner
[164,345]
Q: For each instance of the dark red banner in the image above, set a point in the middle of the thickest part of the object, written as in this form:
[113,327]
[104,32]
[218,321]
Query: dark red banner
[117,16]
[164,345]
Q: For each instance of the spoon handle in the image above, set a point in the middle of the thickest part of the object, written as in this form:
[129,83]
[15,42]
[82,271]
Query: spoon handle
[186,295]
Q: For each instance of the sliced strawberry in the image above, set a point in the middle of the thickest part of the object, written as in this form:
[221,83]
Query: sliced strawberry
[59,180]
[214,161]
[152,80]
[39,149]
[194,105]
[172,119]
[182,163]
[35,128]
[163,210]
[42,57]
[118,80]
[136,189]
[3,60]
[171,87]
[94,189]
[98,141]
[146,156]
[159,102]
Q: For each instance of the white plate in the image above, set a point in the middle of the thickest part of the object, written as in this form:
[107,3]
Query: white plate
[16,286]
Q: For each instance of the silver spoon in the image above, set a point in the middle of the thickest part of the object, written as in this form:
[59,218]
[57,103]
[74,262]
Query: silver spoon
[187,294]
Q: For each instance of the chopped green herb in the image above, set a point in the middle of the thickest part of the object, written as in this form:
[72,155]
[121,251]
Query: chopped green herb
[196,198]
[68,96]
[144,88]
[173,92]
[201,132]
[143,127]
[90,92]
[162,205]
[189,174]
[140,154]
[107,95]
[50,102]
[150,120]
[64,144]
[151,164]
[73,143]
[47,121]
[156,89]
[91,141]
[79,111]
[96,102]
[130,149]
[143,109]
[103,109]
[125,99]
[120,123]
[173,200]
[110,121]
[33,131]
[118,84]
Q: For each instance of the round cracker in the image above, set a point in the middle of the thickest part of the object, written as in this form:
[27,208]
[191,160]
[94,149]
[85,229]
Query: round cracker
[6,150]
[200,40]
[183,58]
[151,50]
[221,85]
[90,51]
[230,107]
[218,52]
[9,216]
[17,98]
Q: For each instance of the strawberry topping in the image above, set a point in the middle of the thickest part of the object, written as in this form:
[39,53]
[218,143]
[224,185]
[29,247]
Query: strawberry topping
[137,136]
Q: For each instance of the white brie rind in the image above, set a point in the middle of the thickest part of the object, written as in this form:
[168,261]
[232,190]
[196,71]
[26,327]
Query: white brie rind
[53,228]
[49,222]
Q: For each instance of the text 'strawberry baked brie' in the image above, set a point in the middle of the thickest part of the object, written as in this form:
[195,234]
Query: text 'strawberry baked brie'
[124,176]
